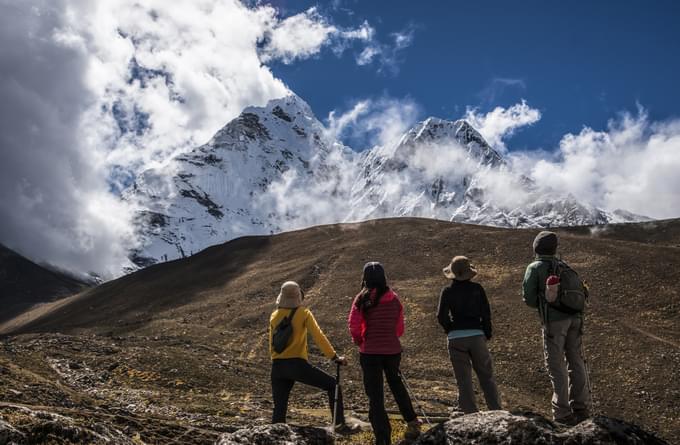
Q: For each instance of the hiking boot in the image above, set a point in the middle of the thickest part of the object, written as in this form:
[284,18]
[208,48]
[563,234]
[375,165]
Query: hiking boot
[345,429]
[412,429]
[581,415]
[569,420]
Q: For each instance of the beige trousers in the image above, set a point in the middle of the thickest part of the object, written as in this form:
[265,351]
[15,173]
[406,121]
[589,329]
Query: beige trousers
[566,367]
[469,353]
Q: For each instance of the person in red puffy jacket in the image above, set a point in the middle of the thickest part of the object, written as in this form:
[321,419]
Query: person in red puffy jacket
[376,321]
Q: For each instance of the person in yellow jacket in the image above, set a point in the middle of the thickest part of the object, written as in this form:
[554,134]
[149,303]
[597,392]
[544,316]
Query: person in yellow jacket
[292,365]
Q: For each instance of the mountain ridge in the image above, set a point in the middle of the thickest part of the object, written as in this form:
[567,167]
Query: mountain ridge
[277,167]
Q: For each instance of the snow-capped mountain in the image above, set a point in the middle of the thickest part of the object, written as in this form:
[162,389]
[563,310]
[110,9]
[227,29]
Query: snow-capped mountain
[277,168]
[211,194]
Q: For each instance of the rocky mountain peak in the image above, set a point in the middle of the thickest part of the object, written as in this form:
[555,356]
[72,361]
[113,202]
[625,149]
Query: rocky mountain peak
[288,108]
[279,119]
[434,130]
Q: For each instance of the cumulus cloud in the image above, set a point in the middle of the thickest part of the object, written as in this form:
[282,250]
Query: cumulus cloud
[501,123]
[303,35]
[93,93]
[55,203]
[300,201]
[632,165]
[629,165]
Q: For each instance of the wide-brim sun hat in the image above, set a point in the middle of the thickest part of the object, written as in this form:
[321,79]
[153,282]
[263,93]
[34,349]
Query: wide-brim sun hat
[460,269]
[290,295]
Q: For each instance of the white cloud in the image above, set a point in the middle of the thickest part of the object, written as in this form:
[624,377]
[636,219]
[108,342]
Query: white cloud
[303,35]
[499,85]
[337,124]
[55,203]
[632,165]
[297,37]
[367,55]
[501,123]
[364,32]
[372,122]
[386,55]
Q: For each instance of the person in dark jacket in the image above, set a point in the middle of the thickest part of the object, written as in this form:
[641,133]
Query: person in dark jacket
[376,321]
[465,315]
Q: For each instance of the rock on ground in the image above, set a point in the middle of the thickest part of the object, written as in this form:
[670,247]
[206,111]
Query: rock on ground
[277,434]
[41,427]
[502,427]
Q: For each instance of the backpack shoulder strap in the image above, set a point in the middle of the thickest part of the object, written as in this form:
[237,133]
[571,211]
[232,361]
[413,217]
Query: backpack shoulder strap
[558,265]
[292,314]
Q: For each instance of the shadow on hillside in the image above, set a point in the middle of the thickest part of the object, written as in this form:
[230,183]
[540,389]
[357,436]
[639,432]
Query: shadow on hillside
[152,290]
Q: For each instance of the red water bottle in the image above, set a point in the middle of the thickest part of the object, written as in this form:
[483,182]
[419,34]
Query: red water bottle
[552,287]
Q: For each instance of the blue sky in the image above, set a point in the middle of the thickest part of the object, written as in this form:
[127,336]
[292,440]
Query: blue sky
[579,62]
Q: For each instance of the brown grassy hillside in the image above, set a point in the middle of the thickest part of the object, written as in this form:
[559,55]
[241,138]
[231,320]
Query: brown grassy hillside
[189,336]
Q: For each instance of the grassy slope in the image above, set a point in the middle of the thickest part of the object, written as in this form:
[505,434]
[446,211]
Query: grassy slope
[222,297]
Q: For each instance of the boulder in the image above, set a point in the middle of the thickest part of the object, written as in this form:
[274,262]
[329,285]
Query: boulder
[502,427]
[277,434]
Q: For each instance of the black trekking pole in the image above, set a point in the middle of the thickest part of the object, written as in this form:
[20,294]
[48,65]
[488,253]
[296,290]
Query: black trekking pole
[410,393]
[337,394]
[587,366]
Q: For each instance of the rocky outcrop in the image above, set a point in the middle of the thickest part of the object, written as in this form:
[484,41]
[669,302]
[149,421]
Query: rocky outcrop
[485,428]
[502,427]
[40,427]
[278,434]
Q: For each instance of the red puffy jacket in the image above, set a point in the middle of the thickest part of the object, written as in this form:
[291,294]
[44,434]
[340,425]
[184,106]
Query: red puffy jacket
[377,330]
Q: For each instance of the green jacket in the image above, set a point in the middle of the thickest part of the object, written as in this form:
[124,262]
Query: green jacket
[533,288]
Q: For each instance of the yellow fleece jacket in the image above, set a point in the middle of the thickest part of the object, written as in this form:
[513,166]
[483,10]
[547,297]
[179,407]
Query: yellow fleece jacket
[303,322]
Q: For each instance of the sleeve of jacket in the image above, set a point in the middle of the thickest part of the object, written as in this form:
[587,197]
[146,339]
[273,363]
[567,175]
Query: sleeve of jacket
[319,337]
[486,314]
[530,286]
[354,323]
[443,316]
[271,334]
[400,320]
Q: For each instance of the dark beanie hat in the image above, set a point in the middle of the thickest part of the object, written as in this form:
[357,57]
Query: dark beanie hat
[545,243]
[374,275]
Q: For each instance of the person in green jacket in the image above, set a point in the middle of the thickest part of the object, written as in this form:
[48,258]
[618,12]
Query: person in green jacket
[562,337]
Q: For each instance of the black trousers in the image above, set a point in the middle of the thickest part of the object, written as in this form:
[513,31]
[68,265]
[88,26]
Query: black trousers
[373,367]
[285,372]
